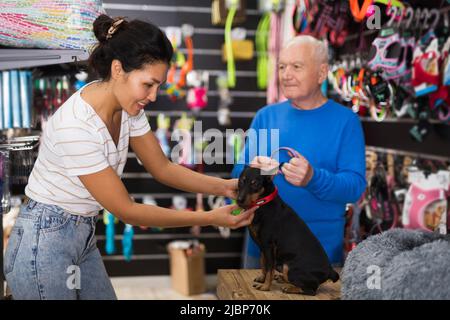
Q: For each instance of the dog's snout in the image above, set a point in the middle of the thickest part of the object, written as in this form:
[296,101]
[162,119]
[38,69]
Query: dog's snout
[240,199]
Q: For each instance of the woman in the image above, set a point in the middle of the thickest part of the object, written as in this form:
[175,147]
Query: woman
[52,252]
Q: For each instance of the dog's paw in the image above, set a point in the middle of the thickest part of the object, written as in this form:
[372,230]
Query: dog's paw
[261,287]
[290,289]
[261,278]
[279,278]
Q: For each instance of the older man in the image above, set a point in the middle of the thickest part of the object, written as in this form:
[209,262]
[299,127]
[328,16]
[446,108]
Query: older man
[330,171]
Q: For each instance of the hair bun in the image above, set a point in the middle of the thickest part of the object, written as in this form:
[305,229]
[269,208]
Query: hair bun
[101,27]
[134,43]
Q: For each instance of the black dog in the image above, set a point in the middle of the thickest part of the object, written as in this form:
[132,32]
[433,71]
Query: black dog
[285,241]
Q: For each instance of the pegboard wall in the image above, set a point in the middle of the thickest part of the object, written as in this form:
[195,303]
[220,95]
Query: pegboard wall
[150,254]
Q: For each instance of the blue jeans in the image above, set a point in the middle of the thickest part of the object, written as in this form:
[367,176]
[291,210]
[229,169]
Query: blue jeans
[52,254]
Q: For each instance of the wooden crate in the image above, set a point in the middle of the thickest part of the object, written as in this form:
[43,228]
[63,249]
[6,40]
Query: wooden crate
[237,284]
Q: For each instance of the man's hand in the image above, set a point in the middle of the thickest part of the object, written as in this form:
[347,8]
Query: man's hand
[298,171]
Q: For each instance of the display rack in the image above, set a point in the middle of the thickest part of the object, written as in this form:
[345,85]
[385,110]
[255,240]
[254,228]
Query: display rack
[28,58]
[11,145]
[18,59]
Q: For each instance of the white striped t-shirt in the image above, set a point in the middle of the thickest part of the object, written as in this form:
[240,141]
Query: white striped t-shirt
[76,142]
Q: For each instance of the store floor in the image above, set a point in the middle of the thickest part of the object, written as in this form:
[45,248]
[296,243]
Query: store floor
[157,288]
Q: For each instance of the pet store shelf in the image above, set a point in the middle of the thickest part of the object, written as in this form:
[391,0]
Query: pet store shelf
[202,114]
[26,58]
[397,120]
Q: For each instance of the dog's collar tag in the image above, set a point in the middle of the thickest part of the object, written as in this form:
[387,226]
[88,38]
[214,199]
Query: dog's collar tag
[265,200]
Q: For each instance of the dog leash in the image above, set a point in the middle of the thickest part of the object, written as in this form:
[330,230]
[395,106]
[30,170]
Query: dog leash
[359,13]
[261,42]
[300,16]
[231,67]
[274,46]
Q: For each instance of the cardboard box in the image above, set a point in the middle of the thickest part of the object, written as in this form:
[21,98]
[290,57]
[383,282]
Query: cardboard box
[187,267]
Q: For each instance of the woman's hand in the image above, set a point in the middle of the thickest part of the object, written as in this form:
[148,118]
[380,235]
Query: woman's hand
[230,188]
[222,217]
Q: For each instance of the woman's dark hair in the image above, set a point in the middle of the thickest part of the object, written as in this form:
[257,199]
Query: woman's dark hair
[134,43]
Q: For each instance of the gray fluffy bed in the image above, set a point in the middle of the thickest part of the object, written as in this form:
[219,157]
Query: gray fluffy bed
[413,265]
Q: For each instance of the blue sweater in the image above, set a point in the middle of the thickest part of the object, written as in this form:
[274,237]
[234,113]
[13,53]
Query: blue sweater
[330,137]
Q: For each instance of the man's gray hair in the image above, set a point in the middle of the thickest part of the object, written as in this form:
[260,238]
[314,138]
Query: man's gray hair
[321,47]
